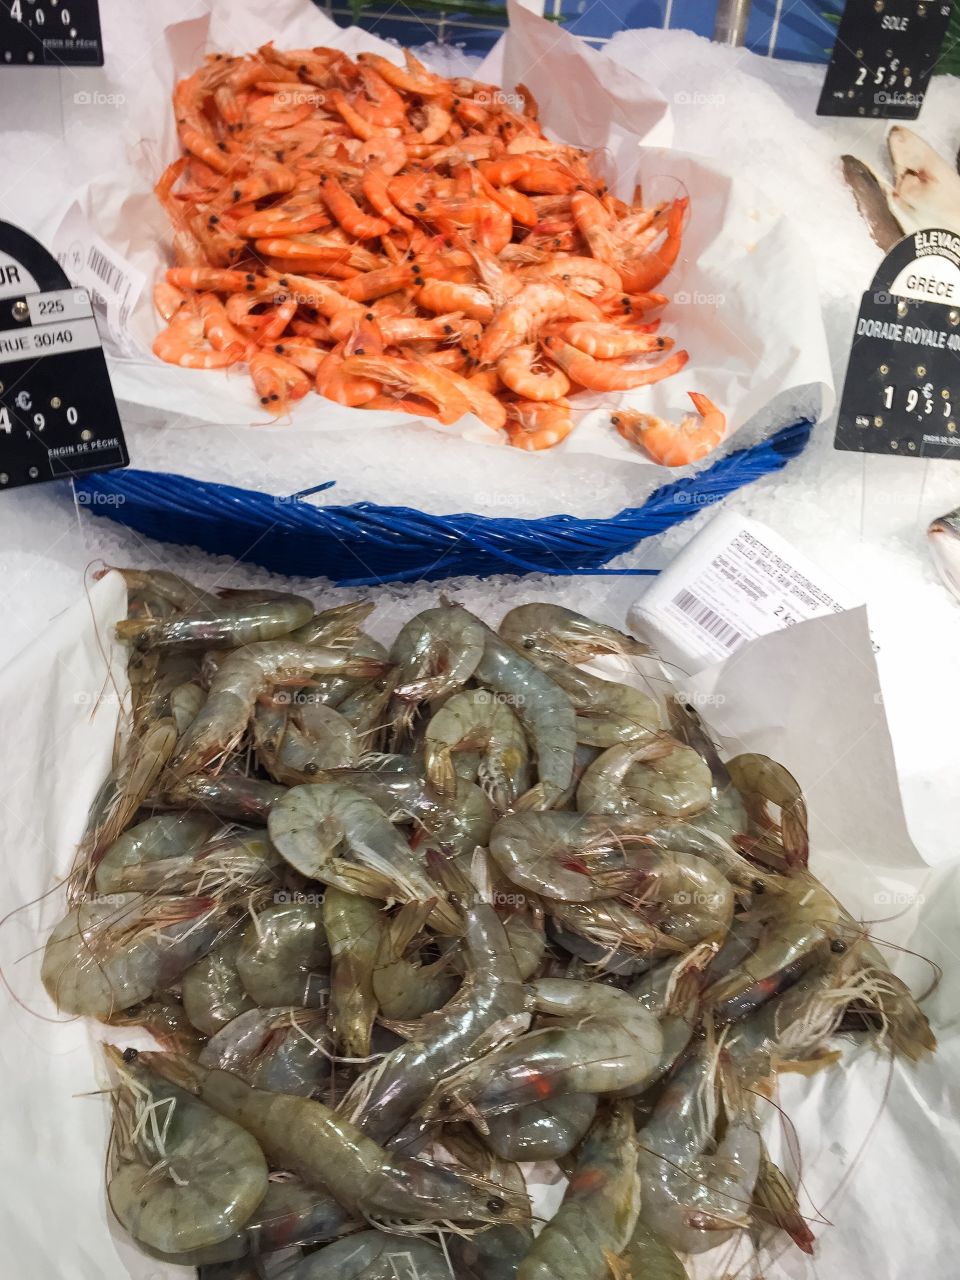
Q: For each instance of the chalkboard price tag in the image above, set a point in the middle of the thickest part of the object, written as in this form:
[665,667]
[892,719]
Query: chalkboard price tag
[883,58]
[901,395]
[58,415]
[50,33]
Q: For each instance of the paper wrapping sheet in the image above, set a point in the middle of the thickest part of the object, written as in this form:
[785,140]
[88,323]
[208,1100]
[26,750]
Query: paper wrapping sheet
[880,1143]
[745,301]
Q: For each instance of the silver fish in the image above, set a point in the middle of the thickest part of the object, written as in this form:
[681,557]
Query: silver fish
[925,191]
[871,200]
[944,535]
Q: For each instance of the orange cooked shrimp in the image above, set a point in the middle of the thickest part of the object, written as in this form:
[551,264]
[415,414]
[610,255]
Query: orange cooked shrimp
[183,343]
[416,79]
[607,341]
[269,180]
[349,214]
[335,383]
[524,372]
[212,279]
[277,381]
[524,314]
[675,444]
[442,296]
[538,424]
[217,327]
[393,237]
[608,375]
[577,271]
[413,377]
[643,273]
[303,352]
[168,299]
[375,186]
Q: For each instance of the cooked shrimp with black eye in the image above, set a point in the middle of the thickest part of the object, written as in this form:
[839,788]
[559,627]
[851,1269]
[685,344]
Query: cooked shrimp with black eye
[429,205]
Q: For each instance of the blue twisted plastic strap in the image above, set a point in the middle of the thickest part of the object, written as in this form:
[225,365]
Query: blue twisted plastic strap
[364,544]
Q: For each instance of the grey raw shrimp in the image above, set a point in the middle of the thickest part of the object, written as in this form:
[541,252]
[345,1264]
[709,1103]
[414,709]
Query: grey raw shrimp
[436,652]
[211,990]
[182,1176]
[599,1210]
[325,1150]
[542,1130]
[283,1050]
[108,954]
[354,926]
[404,988]
[284,957]
[373,1255]
[563,633]
[166,854]
[240,679]
[613,1045]
[697,1185]
[162,837]
[477,735]
[543,707]
[223,626]
[555,639]
[492,1004]
[298,741]
[658,775]
[334,833]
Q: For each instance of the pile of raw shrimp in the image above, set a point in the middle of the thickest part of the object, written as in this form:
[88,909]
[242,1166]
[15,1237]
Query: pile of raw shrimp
[405,920]
[397,240]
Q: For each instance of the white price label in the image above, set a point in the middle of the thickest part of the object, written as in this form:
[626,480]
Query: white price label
[114,283]
[734,581]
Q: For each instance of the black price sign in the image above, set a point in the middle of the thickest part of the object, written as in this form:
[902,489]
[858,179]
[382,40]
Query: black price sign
[901,395]
[883,58]
[50,33]
[58,415]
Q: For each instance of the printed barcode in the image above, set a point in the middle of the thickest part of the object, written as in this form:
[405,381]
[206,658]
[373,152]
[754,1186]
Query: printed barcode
[711,622]
[104,268]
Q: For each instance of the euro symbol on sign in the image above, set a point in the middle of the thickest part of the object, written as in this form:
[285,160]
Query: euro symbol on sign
[23,400]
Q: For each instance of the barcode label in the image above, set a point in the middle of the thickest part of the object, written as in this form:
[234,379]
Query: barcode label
[710,621]
[114,279]
[107,272]
[113,282]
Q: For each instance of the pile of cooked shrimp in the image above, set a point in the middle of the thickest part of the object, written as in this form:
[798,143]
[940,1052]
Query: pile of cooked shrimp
[394,239]
[403,920]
